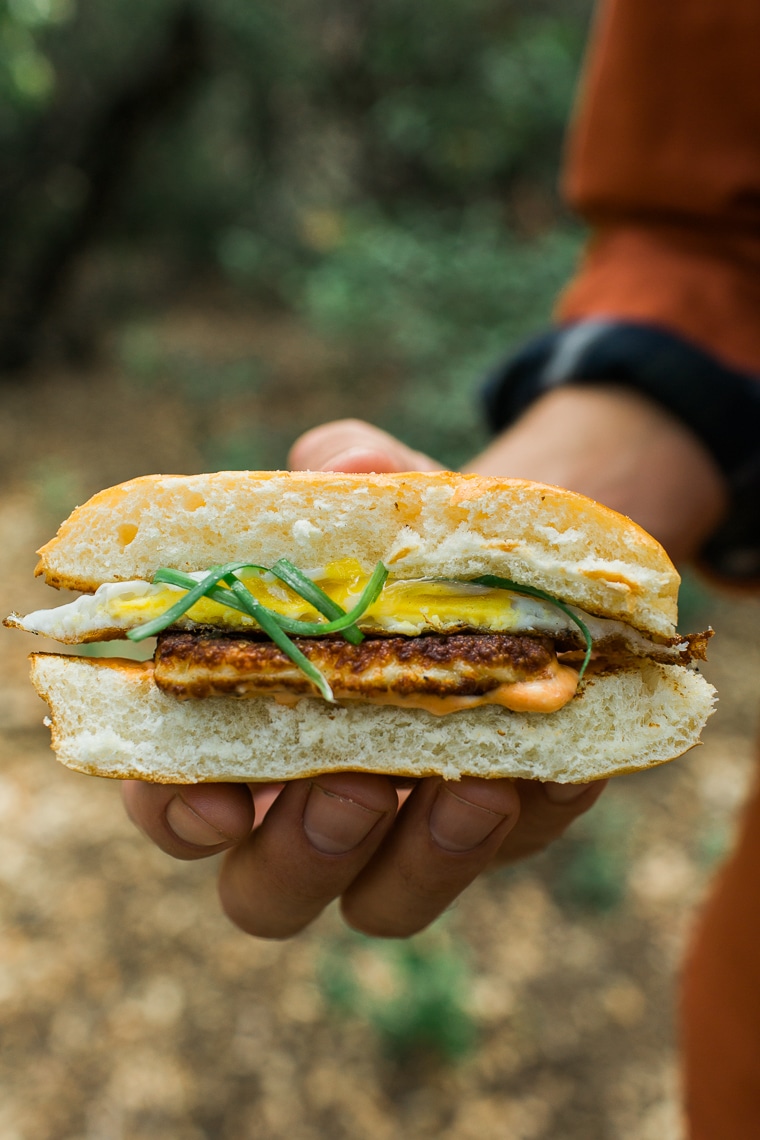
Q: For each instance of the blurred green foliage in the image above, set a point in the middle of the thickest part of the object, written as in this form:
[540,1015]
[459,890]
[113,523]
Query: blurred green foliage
[151,363]
[696,601]
[413,993]
[442,298]
[134,651]
[57,488]
[713,843]
[27,78]
[309,108]
[386,169]
[589,867]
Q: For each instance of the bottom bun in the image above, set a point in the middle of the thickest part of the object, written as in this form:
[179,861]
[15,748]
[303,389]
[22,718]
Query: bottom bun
[110,719]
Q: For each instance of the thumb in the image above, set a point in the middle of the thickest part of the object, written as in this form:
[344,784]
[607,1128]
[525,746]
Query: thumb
[355,446]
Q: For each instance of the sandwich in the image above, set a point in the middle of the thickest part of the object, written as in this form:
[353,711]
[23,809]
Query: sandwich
[411,624]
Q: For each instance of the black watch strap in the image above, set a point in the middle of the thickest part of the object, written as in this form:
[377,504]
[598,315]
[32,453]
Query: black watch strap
[719,404]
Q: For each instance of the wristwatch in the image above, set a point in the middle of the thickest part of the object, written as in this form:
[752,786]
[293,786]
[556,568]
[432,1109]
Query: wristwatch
[719,404]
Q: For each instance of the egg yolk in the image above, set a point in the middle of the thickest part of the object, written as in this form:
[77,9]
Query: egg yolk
[403,607]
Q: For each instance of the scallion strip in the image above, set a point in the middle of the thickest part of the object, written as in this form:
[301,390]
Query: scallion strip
[534,592]
[266,619]
[341,624]
[198,591]
[314,595]
[237,596]
[261,614]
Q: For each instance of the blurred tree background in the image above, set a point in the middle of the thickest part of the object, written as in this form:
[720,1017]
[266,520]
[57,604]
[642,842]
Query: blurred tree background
[385,171]
[221,223]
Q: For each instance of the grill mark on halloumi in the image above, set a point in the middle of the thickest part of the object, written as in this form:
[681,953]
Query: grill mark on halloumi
[209,664]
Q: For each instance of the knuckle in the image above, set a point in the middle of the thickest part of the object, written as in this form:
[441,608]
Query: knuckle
[253,916]
[374,924]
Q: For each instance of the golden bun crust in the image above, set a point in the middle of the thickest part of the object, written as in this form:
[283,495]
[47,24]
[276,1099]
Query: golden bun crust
[110,719]
[431,524]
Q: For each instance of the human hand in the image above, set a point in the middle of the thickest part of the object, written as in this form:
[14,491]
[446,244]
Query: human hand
[395,857]
[622,449]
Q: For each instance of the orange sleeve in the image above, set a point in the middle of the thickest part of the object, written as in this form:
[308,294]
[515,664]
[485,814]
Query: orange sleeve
[664,163]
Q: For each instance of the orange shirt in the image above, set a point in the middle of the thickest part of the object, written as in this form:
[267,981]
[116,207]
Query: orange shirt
[664,163]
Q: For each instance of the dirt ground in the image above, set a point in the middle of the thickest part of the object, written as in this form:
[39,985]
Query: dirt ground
[540,1008]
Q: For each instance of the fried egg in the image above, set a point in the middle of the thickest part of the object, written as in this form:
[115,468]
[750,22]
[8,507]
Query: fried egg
[406,607]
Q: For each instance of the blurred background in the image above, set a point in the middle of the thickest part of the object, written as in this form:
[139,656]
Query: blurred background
[221,224]
[305,203]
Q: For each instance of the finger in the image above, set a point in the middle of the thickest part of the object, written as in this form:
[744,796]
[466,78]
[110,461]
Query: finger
[355,446]
[546,811]
[264,796]
[190,822]
[316,838]
[446,834]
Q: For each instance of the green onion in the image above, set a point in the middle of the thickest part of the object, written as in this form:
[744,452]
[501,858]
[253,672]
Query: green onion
[198,590]
[341,624]
[316,597]
[266,620]
[262,615]
[534,592]
[237,596]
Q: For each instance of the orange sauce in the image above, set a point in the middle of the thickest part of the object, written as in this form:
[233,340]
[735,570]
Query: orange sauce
[545,694]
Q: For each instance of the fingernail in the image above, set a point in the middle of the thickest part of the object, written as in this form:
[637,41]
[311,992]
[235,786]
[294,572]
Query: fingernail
[457,824]
[190,827]
[335,825]
[564,793]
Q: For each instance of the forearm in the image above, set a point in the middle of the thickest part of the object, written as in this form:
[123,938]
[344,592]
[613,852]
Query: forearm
[621,448]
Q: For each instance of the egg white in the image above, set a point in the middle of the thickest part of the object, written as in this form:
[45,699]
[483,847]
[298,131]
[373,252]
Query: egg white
[405,608]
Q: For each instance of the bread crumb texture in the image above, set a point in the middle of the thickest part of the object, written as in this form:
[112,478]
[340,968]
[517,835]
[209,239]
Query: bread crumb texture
[109,719]
[433,524]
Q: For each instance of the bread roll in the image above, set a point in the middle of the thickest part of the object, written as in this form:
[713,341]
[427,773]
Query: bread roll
[109,719]
[432,524]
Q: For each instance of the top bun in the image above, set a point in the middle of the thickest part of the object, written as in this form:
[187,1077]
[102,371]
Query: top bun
[432,524]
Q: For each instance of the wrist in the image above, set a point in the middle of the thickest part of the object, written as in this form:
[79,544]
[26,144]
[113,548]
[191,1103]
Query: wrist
[717,407]
[622,448]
